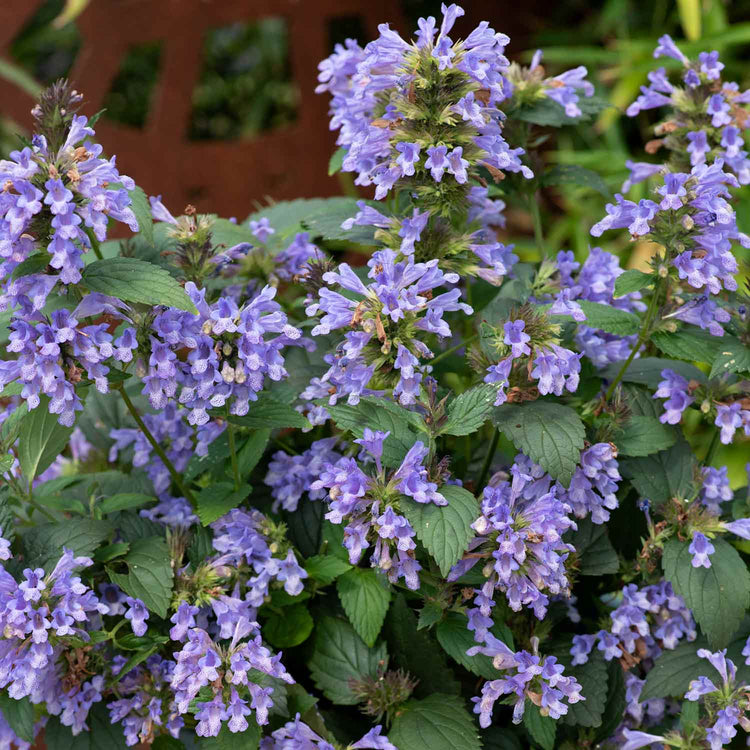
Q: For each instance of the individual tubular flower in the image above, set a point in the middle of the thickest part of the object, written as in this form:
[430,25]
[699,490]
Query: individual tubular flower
[395,307]
[676,390]
[527,674]
[729,419]
[371,506]
[701,549]
[384,101]
[715,488]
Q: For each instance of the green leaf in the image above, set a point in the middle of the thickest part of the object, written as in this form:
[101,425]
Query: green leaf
[365,599]
[592,677]
[417,651]
[469,410]
[123,501]
[20,716]
[213,461]
[35,263]
[445,530]
[341,655]
[731,356]
[379,414]
[610,319]
[336,160]
[326,568]
[616,701]
[674,669]
[642,436]
[596,555]
[541,728]
[456,639]
[218,499]
[252,451]
[573,174]
[429,615]
[111,551]
[304,527]
[549,113]
[663,475]
[550,434]
[326,222]
[268,413]
[41,439]
[44,543]
[498,738]
[134,280]
[289,627]
[690,344]
[132,527]
[142,210]
[11,427]
[631,281]
[102,734]
[149,577]
[718,596]
[226,740]
[166,742]
[647,371]
[438,721]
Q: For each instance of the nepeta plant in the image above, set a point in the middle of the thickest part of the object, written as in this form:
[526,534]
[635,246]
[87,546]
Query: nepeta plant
[255,492]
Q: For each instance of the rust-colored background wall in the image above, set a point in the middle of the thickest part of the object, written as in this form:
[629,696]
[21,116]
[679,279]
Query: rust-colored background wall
[223,176]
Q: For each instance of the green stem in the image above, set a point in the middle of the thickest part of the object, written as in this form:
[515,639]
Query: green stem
[455,348]
[233,454]
[488,458]
[155,445]
[94,243]
[536,217]
[285,447]
[642,338]
[712,448]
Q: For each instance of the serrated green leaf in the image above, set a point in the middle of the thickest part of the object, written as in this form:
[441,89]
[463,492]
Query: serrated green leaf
[429,615]
[663,475]
[718,596]
[111,551]
[132,526]
[631,281]
[379,414]
[365,599]
[550,434]
[341,655]
[675,668]
[336,160]
[44,543]
[218,499]
[102,734]
[20,716]
[456,639]
[731,356]
[226,740]
[149,577]
[134,280]
[11,427]
[40,440]
[596,555]
[541,728]
[417,651]
[289,627]
[549,113]
[326,568]
[610,319]
[574,174]
[469,410]
[445,530]
[641,402]
[304,527]
[35,263]
[213,460]
[592,677]
[438,721]
[252,451]
[142,210]
[124,501]
[690,344]
[647,371]
[326,222]
[616,701]
[642,436]
[268,413]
